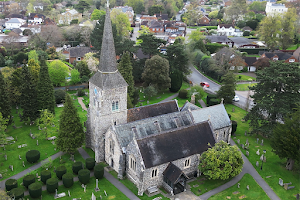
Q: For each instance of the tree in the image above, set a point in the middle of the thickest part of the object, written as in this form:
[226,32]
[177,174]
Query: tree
[288,30]
[275,96]
[33,55]
[91,61]
[125,68]
[261,63]
[137,5]
[27,32]
[227,90]
[15,86]
[81,6]
[237,9]
[155,9]
[58,72]
[45,90]
[5,104]
[176,80]
[221,161]
[82,67]
[257,6]
[30,8]
[156,73]
[121,21]
[2,60]
[45,122]
[150,91]
[285,140]
[150,44]
[269,30]
[34,69]
[213,14]
[178,59]
[70,134]
[3,126]
[28,96]
[192,15]
[75,77]
[196,90]
[96,14]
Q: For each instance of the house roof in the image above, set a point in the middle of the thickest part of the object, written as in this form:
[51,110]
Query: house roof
[297,53]
[176,144]
[49,21]
[239,41]
[281,55]
[79,51]
[250,60]
[13,20]
[34,15]
[152,110]
[247,28]
[226,25]
[124,9]
[216,114]
[17,30]
[151,126]
[162,16]
[214,38]
[155,24]
[189,106]
[173,173]
[15,16]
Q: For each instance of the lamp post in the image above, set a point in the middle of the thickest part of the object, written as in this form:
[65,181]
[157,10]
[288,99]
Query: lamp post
[262,161]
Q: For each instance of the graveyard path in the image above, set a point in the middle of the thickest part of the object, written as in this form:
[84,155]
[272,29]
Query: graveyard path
[28,170]
[81,103]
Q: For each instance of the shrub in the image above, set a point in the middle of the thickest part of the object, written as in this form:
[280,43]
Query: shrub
[245,69]
[98,171]
[18,193]
[213,47]
[35,190]
[32,156]
[183,94]
[246,33]
[52,184]
[11,184]
[209,97]
[60,171]
[90,163]
[213,102]
[198,91]
[76,167]
[84,176]
[234,126]
[68,180]
[59,96]
[27,180]
[84,79]
[45,175]
[80,93]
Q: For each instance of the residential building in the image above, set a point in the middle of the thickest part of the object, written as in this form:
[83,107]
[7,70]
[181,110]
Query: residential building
[38,6]
[68,16]
[250,63]
[228,30]
[148,18]
[241,42]
[77,53]
[36,18]
[204,20]
[14,23]
[275,56]
[274,8]
[296,53]
[156,27]
[219,39]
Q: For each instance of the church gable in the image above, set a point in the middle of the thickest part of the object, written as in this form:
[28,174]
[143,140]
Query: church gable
[153,110]
[176,144]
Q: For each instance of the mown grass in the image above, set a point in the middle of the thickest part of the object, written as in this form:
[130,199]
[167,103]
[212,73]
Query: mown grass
[274,167]
[253,55]
[241,77]
[254,192]
[244,87]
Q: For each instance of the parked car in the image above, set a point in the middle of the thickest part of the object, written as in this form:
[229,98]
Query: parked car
[204,84]
[236,98]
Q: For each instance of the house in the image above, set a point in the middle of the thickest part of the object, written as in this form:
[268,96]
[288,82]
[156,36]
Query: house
[219,39]
[49,21]
[274,8]
[228,30]
[181,27]
[140,55]
[128,11]
[17,31]
[156,27]
[10,16]
[274,56]
[68,16]
[172,38]
[226,3]
[33,28]
[204,20]
[247,28]
[148,18]
[162,17]
[170,27]
[250,63]
[14,23]
[226,55]
[202,2]
[77,53]
[38,6]
[4,5]
[36,18]
[58,6]
[154,146]
[241,42]
[14,38]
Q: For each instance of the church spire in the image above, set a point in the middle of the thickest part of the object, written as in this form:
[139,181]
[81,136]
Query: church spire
[108,63]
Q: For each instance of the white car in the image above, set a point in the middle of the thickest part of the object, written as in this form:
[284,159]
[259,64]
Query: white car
[236,98]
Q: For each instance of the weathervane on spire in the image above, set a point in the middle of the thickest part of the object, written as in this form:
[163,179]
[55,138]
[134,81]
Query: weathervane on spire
[107,3]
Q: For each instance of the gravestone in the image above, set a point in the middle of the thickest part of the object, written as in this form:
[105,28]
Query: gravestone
[238,185]
[84,189]
[262,157]
[69,193]
[5,156]
[105,193]
[280,182]
[248,187]
[290,187]
[100,196]
[37,142]
[245,133]
[16,138]
[1,176]
[55,196]
[265,159]
[247,153]
[4,148]
[297,196]
[93,196]
[238,141]
[148,102]
[236,192]
[257,164]
[232,109]
[262,142]
[257,152]
[247,142]
[97,188]
[243,146]
[257,139]
[11,167]
[23,164]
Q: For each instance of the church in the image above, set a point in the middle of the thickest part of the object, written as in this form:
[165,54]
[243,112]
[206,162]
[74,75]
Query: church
[154,146]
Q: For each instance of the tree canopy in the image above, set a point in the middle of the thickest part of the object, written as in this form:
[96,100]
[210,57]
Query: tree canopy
[227,90]
[58,72]
[178,58]
[150,44]
[5,104]
[125,68]
[121,21]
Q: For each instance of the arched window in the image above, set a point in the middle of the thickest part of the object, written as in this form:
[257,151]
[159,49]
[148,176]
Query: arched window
[154,173]
[117,105]
[113,106]
[132,163]
[187,162]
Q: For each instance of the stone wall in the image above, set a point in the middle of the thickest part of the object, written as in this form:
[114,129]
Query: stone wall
[223,134]
[115,155]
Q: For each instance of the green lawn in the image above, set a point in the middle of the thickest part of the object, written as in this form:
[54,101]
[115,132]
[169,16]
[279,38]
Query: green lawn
[253,55]
[244,87]
[240,77]
[254,192]
[274,168]
[293,47]
[203,185]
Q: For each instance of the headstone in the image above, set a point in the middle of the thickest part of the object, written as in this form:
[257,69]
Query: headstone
[20,157]
[280,182]
[97,188]
[37,175]
[247,153]
[262,142]
[262,157]
[100,196]
[84,189]
[69,193]
[238,185]
[1,176]
[93,196]
[148,102]
[16,138]
[248,187]
[290,187]
[298,196]
[247,142]
[5,156]
[265,159]
[23,164]
[37,142]
[238,141]
[105,193]
[232,109]
[257,164]
[4,148]
[257,152]
[243,146]
[11,167]
[55,193]
[193,99]
[257,139]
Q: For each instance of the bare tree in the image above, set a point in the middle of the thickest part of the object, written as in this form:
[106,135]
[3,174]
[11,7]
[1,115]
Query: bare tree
[11,43]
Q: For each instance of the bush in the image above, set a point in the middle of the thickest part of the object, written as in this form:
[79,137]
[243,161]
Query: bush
[213,102]
[98,171]
[60,171]
[246,33]
[214,47]
[76,167]
[28,180]
[85,79]
[90,163]
[183,94]
[198,91]
[35,190]
[234,126]
[11,184]
[84,176]
[32,156]
[45,175]
[209,97]
[80,93]
[18,193]
[245,69]
[68,180]
[59,96]
[52,184]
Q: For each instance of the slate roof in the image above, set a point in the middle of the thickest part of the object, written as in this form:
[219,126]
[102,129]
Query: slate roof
[32,15]
[176,144]
[297,53]
[162,16]
[155,24]
[250,60]
[226,25]
[15,16]
[216,114]
[281,55]
[149,126]
[240,41]
[108,81]
[173,173]
[79,51]
[189,106]
[13,20]
[152,110]
[214,38]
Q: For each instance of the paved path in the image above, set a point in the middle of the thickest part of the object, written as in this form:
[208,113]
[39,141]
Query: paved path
[81,103]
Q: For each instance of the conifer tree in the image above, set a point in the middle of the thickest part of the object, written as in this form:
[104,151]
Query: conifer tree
[5,107]
[125,68]
[28,96]
[70,134]
[45,91]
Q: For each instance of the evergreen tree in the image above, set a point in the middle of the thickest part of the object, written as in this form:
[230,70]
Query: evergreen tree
[176,81]
[28,96]
[2,60]
[227,90]
[45,90]
[5,107]
[125,68]
[70,134]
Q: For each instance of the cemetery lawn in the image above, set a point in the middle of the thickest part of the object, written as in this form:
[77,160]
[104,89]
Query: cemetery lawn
[254,192]
[204,185]
[274,167]
[243,77]
[134,189]
[244,87]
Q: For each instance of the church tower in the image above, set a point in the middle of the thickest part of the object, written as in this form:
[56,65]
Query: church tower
[108,95]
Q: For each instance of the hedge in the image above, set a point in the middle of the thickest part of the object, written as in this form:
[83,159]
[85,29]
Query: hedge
[35,190]
[45,175]
[209,97]
[60,171]
[32,156]
[76,167]
[28,180]
[98,171]
[183,94]
[214,47]
[213,102]
[18,193]
[68,180]
[84,176]
[11,184]
[52,184]
[90,163]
